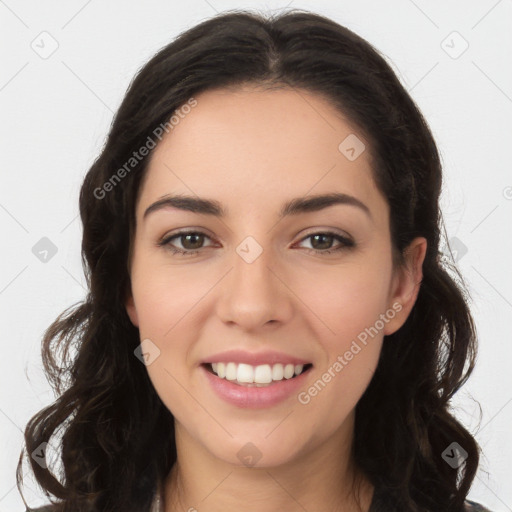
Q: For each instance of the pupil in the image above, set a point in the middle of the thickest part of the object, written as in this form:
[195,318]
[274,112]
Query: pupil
[322,236]
[197,246]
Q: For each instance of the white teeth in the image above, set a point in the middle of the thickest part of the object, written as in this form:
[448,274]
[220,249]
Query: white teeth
[289,371]
[231,373]
[277,372]
[262,374]
[245,373]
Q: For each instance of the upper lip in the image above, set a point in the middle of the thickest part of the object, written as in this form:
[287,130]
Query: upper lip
[254,358]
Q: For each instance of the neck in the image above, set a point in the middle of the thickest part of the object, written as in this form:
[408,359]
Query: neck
[323,478]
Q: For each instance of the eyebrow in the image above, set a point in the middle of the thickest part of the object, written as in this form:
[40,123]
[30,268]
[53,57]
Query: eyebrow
[295,206]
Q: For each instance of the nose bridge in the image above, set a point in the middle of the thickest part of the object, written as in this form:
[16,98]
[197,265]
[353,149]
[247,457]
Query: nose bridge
[252,294]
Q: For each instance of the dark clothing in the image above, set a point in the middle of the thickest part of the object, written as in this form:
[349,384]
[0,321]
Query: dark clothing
[471,506]
[378,505]
[382,502]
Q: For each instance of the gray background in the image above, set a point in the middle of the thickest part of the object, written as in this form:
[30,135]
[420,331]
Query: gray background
[55,112]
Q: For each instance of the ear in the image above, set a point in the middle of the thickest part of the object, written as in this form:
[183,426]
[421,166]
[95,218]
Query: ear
[406,283]
[131,310]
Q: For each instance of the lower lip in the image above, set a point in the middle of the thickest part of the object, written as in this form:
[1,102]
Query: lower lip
[254,397]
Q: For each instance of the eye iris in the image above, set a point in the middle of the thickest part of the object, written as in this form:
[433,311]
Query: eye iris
[329,242]
[198,243]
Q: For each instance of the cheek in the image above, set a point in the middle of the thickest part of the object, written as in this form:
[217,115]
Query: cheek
[338,386]
[163,306]
[351,345]
[352,305]
[347,299]
[164,312]
[163,296]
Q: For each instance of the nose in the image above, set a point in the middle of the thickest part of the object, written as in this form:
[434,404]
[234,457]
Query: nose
[254,293]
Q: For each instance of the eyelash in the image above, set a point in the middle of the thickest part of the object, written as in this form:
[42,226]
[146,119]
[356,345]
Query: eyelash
[346,243]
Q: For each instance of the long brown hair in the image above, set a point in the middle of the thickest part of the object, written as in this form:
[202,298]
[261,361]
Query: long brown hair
[115,436]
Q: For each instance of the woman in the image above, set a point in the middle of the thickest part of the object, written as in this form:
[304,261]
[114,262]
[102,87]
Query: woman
[222,363]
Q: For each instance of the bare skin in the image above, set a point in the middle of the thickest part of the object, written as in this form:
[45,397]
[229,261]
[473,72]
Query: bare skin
[252,151]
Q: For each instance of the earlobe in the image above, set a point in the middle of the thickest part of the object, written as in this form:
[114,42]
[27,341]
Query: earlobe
[131,310]
[406,284]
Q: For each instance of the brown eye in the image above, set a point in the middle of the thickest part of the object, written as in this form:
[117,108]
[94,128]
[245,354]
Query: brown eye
[191,242]
[322,242]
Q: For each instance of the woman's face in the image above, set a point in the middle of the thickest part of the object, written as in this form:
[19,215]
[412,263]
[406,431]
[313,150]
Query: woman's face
[252,283]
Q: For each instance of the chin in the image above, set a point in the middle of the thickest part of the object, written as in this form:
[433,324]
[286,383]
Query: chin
[257,451]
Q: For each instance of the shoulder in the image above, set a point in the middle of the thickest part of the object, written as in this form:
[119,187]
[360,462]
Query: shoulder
[472,506]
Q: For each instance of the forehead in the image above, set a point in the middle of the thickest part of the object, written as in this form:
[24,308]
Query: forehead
[252,146]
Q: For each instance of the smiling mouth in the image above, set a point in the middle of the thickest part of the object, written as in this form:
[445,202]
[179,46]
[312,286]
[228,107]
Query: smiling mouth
[256,376]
